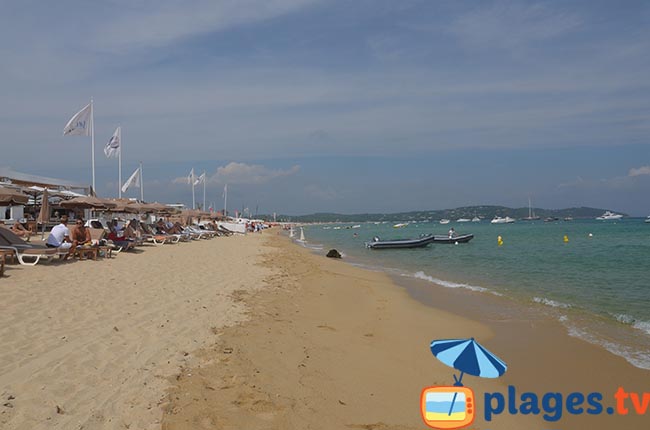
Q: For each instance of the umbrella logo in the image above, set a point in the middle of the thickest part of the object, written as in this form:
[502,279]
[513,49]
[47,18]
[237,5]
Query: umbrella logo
[454,407]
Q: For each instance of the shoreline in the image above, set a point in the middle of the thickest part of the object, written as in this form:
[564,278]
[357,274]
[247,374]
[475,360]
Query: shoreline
[330,345]
[629,339]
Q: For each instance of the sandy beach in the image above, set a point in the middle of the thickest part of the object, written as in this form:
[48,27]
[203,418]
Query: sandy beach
[255,332]
[92,344]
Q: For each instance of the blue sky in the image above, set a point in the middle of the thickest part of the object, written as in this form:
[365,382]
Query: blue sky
[344,106]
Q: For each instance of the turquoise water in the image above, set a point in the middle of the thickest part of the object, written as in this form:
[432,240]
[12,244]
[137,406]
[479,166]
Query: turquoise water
[600,277]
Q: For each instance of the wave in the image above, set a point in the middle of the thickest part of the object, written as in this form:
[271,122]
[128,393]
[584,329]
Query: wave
[640,359]
[551,303]
[448,284]
[644,326]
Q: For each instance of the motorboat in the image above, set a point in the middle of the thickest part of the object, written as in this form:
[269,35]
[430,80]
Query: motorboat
[609,216]
[461,238]
[463,220]
[401,225]
[420,242]
[647,219]
[551,219]
[500,220]
[476,219]
[444,221]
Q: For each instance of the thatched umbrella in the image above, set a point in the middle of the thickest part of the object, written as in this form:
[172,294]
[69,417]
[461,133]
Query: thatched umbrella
[10,197]
[87,202]
[44,213]
[125,205]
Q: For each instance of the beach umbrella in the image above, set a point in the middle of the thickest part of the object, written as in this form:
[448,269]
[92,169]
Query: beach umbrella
[87,202]
[44,213]
[125,205]
[468,356]
[12,197]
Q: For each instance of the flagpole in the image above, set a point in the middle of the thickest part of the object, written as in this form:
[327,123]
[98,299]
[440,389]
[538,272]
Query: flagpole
[193,199]
[92,131]
[225,201]
[119,166]
[141,184]
[203,191]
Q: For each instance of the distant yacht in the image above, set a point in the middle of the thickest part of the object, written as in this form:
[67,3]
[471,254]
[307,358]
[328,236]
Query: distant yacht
[463,220]
[647,219]
[444,221]
[401,225]
[609,216]
[531,214]
[499,220]
[476,219]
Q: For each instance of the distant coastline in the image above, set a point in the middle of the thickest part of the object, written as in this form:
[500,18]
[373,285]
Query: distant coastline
[483,211]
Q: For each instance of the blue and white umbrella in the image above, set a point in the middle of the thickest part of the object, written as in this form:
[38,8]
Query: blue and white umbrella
[469,357]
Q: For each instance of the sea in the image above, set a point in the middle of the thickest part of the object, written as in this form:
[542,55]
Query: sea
[592,276]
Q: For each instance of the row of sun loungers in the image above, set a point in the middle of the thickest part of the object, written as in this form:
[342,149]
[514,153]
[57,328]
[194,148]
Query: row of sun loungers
[29,253]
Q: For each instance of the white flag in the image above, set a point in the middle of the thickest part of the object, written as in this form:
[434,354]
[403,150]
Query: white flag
[112,148]
[79,124]
[134,181]
[200,179]
[190,177]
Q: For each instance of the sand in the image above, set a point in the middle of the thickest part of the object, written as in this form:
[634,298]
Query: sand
[257,333]
[93,344]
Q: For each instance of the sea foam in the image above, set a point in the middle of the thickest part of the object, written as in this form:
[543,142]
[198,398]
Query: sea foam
[447,284]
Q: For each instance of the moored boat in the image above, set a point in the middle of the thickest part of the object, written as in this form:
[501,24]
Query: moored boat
[500,220]
[462,238]
[609,216]
[444,221]
[420,242]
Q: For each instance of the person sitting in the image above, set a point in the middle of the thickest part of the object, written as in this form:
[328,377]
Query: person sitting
[60,237]
[452,233]
[117,236]
[19,230]
[80,233]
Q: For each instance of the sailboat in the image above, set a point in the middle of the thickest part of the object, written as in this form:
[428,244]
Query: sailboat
[531,214]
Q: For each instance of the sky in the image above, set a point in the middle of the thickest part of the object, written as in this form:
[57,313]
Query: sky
[305,106]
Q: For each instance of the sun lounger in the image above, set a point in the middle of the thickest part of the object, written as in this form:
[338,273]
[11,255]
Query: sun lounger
[24,251]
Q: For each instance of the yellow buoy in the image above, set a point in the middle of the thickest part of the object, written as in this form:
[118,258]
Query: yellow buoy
[499,241]
[566,239]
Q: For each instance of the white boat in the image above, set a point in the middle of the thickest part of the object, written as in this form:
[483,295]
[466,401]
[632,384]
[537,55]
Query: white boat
[647,219]
[531,214]
[476,219]
[609,216]
[463,220]
[500,220]
[356,226]
[444,221]
[400,225]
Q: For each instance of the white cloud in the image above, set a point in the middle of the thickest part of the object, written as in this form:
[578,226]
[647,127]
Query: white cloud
[155,23]
[643,170]
[509,25]
[242,173]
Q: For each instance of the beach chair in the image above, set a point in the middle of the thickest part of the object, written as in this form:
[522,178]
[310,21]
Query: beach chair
[27,254]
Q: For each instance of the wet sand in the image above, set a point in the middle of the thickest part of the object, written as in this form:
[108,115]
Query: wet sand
[329,346]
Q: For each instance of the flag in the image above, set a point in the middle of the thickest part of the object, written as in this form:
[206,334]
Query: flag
[134,180]
[200,179]
[112,148]
[79,124]
[190,177]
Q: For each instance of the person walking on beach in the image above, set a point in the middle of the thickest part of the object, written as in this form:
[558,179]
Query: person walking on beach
[60,237]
